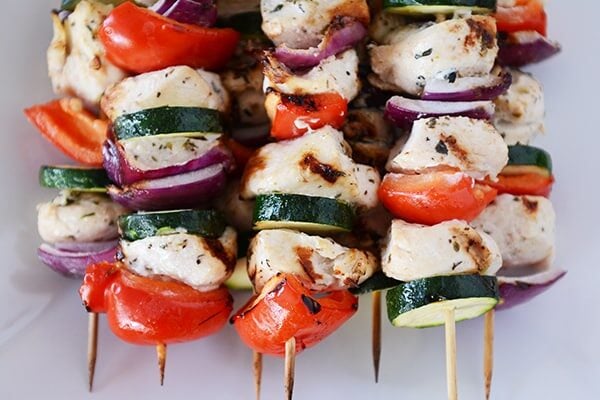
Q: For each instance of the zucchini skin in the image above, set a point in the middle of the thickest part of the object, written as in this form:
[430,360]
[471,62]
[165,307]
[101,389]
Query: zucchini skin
[73,178]
[281,209]
[529,155]
[379,281]
[491,4]
[167,120]
[205,223]
[410,296]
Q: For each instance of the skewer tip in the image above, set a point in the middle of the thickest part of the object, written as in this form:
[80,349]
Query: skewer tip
[257,362]
[92,348]
[290,364]
[488,353]
[376,333]
[161,354]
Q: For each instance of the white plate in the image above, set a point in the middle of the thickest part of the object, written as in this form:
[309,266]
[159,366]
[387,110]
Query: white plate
[547,349]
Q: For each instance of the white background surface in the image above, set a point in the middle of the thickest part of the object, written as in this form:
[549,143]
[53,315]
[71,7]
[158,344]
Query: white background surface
[548,349]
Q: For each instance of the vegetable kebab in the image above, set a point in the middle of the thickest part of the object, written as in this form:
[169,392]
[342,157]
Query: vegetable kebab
[306,186]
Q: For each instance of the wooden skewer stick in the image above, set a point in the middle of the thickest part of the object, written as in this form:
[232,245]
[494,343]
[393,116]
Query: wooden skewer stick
[257,362]
[451,354]
[92,349]
[161,354]
[488,352]
[376,332]
[290,365]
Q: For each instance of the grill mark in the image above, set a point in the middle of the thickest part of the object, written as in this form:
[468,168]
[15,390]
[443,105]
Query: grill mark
[531,206]
[452,145]
[311,304]
[304,255]
[471,241]
[326,171]
[356,9]
[216,249]
[307,102]
[480,31]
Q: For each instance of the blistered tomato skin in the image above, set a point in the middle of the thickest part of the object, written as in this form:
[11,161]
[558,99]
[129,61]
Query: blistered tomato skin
[98,277]
[286,309]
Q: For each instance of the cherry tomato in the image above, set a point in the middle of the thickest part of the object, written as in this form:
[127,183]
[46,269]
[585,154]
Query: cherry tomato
[96,281]
[72,129]
[526,15]
[524,184]
[150,311]
[139,40]
[295,114]
[434,197]
[285,309]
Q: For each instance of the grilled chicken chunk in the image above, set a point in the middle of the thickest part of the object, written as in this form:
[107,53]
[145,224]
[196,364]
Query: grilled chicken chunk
[174,86]
[523,227]
[471,145]
[323,264]
[201,263]
[300,23]
[79,217]
[337,73]
[520,111]
[413,251]
[77,62]
[445,51]
[316,164]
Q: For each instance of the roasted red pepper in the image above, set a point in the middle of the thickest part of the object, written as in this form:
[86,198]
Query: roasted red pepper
[294,115]
[526,15]
[150,311]
[71,128]
[434,197]
[139,40]
[285,309]
[524,184]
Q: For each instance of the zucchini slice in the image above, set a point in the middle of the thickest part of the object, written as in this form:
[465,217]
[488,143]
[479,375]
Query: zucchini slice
[303,213]
[379,281]
[180,121]
[422,303]
[524,159]
[421,7]
[239,280]
[206,223]
[74,178]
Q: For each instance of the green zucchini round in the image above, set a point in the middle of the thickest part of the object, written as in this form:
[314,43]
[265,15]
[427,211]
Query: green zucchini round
[180,121]
[205,223]
[74,178]
[422,303]
[308,214]
[526,159]
[420,7]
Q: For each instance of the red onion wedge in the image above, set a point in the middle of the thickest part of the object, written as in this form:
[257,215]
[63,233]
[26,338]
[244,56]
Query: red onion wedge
[515,291]
[122,173]
[468,89]
[403,112]
[74,263]
[187,190]
[87,247]
[341,35]
[199,12]
[527,47]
